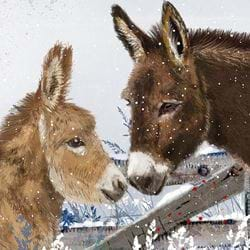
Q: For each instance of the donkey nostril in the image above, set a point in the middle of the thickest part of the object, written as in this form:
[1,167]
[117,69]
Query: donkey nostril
[143,182]
[119,185]
[132,182]
[112,195]
[122,186]
[146,182]
[107,194]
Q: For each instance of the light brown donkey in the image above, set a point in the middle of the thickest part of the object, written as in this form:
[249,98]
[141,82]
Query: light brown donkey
[186,86]
[49,151]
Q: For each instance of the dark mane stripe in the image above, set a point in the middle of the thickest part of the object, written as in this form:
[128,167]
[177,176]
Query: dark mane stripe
[19,116]
[206,39]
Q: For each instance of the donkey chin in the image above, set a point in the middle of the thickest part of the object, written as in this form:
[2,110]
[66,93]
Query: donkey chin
[145,174]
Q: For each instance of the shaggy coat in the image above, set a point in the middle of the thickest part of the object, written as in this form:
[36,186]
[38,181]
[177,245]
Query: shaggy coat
[186,86]
[49,151]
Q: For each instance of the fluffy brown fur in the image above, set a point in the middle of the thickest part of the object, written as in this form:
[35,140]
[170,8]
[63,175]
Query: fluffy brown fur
[207,71]
[37,164]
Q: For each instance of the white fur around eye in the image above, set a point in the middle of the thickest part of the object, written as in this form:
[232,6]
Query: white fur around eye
[166,116]
[79,150]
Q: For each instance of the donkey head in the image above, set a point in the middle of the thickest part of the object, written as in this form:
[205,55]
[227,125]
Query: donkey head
[166,99]
[78,167]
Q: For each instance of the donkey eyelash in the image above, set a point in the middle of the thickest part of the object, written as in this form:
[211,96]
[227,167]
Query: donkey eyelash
[75,142]
[167,108]
[76,145]
[172,101]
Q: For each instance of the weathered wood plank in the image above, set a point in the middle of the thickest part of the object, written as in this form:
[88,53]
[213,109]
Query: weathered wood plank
[180,205]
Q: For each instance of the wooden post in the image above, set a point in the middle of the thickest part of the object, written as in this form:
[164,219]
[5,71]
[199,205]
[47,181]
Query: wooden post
[247,200]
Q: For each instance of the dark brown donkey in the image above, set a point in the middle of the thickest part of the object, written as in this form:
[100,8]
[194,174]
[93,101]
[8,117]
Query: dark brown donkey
[49,151]
[186,86]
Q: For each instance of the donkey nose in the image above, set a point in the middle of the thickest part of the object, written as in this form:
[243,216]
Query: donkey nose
[148,184]
[113,183]
[145,174]
[119,187]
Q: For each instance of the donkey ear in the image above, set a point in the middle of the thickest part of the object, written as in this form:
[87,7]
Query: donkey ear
[56,75]
[131,36]
[175,35]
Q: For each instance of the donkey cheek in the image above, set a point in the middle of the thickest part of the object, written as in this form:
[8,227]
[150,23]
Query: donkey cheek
[57,180]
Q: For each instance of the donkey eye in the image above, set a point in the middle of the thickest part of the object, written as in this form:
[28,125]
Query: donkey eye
[75,142]
[168,107]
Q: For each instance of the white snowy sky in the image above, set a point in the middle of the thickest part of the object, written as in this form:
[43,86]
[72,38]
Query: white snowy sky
[28,28]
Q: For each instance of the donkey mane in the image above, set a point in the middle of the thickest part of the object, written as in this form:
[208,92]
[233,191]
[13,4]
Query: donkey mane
[14,122]
[204,39]
[212,39]
[26,110]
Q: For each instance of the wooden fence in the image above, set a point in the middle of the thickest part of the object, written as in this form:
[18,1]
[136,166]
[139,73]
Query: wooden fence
[222,181]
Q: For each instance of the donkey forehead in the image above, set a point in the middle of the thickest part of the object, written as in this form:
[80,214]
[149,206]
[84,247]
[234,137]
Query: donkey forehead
[73,117]
[150,78]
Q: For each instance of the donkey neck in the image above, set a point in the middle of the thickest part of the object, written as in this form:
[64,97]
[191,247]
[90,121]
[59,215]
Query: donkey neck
[25,184]
[224,74]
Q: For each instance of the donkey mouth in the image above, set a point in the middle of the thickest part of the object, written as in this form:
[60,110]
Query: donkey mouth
[112,196]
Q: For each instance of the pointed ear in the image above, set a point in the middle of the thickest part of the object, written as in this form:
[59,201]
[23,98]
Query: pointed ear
[56,75]
[131,36]
[175,35]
